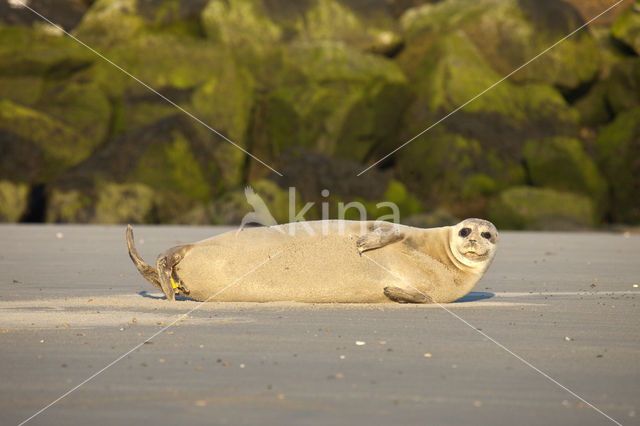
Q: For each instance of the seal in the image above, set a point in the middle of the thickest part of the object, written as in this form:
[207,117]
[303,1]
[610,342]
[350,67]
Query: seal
[332,261]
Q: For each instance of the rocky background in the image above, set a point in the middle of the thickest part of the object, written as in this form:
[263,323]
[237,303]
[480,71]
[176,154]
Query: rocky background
[319,90]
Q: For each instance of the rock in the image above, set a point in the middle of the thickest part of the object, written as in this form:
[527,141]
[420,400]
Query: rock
[618,146]
[35,52]
[593,107]
[56,145]
[171,157]
[329,98]
[541,209]
[13,200]
[627,28]
[562,164]
[66,13]
[108,22]
[509,33]
[225,102]
[124,203]
[68,206]
[455,172]
[433,219]
[241,25]
[589,9]
[477,151]
[338,21]
[623,85]
[24,90]
[232,206]
[311,173]
[82,106]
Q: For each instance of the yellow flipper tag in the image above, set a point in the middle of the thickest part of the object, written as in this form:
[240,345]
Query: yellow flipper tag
[174,284]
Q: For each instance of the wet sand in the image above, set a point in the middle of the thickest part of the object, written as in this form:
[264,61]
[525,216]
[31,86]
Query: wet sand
[72,303]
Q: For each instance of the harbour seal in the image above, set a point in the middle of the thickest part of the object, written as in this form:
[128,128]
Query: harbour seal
[331,261]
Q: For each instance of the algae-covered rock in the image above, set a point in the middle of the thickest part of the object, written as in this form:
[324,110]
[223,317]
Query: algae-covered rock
[618,146]
[230,207]
[108,22]
[22,89]
[66,13]
[541,209]
[82,106]
[448,169]
[432,219]
[330,98]
[562,163]
[240,24]
[68,206]
[171,157]
[627,28]
[339,21]
[57,145]
[453,71]
[623,85]
[124,203]
[34,52]
[477,151]
[510,33]
[13,200]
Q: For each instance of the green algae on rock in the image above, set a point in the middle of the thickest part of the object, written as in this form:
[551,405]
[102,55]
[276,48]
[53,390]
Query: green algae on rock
[618,146]
[509,33]
[561,163]
[13,200]
[526,207]
[627,28]
[60,145]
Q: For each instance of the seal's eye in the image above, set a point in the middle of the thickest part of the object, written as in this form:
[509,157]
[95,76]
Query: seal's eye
[464,232]
[486,235]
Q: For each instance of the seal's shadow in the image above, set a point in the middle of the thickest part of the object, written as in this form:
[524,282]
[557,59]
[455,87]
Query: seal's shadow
[145,293]
[474,296]
[470,297]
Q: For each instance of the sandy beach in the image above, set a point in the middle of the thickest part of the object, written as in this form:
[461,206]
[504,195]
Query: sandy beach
[72,303]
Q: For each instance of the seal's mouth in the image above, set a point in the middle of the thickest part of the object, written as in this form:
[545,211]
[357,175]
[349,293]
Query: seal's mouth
[474,255]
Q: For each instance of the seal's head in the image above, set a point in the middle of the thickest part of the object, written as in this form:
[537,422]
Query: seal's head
[473,242]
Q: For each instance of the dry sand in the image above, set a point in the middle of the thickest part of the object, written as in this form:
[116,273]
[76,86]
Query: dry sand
[567,303]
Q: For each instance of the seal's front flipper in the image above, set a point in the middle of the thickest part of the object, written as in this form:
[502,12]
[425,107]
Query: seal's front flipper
[379,236]
[401,295]
[165,266]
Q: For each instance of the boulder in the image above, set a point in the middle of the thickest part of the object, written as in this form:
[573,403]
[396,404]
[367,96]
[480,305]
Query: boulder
[36,52]
[531,208]
[108,22]
[618,146]
[242,26]
[14,200]
[509,33]
[623,85]
[477,151]
[54,146]
[66,13]
[329,98]
[562,164]
[627,28]
[174,161]
[82,106]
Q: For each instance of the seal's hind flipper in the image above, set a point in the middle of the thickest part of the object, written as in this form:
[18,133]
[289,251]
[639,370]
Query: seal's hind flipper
[147,271]
[380,236]
[400,295]
[169,280]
